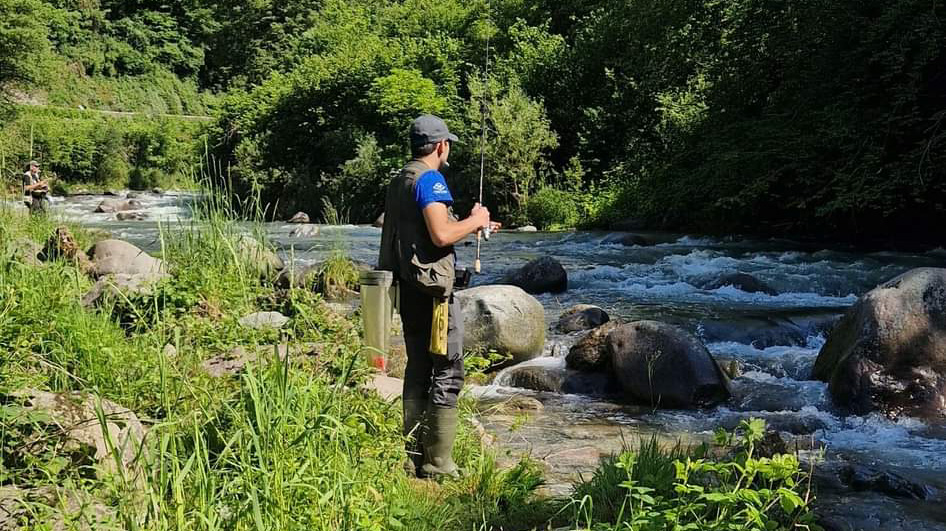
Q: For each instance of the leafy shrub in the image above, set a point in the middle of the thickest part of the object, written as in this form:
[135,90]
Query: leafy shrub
[656,488]
[552,209]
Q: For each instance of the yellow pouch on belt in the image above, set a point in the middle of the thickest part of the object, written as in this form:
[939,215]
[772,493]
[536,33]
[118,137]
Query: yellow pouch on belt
[438,327]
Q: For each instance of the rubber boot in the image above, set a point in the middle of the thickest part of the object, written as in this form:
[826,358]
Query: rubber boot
[414,428]
[438,442]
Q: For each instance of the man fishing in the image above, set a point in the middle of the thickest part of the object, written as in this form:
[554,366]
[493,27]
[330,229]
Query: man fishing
[417,241]
[35,190]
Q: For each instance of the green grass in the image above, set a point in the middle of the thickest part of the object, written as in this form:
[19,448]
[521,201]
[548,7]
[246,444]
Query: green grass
[289,444]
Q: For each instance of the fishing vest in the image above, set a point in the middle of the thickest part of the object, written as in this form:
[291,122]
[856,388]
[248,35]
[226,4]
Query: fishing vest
[406,246]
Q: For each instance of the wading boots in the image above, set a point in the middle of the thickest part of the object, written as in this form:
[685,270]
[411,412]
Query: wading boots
[414,431]
[438,442]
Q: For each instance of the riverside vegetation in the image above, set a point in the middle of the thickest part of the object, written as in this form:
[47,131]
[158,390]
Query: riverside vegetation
[820,118]
[293,441]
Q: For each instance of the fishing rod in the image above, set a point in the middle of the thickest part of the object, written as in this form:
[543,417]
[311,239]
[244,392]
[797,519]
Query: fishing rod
[483,107]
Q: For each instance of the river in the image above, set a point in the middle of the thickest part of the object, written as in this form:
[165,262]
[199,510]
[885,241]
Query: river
[775,339]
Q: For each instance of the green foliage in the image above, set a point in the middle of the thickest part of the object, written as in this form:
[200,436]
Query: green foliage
[337,276]
[22,43]
[95,149]
[655,488]
[551,209]
[519,137]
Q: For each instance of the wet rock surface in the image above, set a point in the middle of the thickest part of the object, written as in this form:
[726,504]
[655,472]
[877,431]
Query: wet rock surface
[581,317]
[591,352]
[741,281]
[665,366]
[888,352]
[542,275]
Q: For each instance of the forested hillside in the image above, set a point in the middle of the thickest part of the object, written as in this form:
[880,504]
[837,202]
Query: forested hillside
[806,117]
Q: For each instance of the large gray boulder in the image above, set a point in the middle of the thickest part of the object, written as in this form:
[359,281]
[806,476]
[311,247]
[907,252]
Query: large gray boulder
[581,317]
[120,286]
[664,366]
[120,257]
[542,275]
[503,318]
[888,352]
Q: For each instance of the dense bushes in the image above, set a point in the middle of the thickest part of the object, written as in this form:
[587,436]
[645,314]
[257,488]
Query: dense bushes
[760,115]
[92,148]
[712,116]
[550,209]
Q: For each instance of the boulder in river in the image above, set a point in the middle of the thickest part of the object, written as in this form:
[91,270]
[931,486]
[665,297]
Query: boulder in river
[527,228]
[631,239]
[131,216]
[664,366]
[888,352]
[764,331]
[109,205]
[741,281]
[503,318]
[536,378]
[120,257]
[299,217]
[379,222]
[591,352]
[557,379]
[860,478]
[581,317]
[542,275]
[307,230]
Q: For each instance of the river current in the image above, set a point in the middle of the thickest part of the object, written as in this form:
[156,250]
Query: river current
[774,338]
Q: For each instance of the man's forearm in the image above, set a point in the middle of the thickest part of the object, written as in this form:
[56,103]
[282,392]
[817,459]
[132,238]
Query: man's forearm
[455,231]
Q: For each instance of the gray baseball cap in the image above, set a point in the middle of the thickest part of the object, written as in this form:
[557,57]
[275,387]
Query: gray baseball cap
[429,129]
[34,163]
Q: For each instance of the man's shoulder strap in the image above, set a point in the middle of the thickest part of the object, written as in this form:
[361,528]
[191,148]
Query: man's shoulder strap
[414,169]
